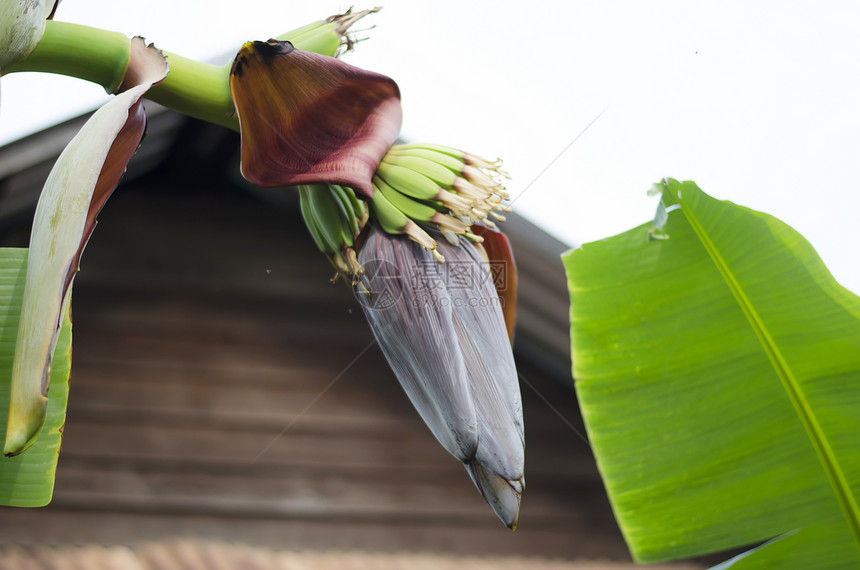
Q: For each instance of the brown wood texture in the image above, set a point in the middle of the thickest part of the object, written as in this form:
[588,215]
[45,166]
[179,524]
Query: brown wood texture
[223,389]
[192,554]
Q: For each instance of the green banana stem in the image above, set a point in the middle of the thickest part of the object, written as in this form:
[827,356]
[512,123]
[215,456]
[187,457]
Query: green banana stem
[79,51]
[199,90]
[194,88]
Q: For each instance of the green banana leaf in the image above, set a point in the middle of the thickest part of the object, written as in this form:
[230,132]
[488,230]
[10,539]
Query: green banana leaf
[27,480]
[718,372]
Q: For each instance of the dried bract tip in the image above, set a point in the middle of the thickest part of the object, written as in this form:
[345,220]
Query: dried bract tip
[501,494]
[146,64]
[348,18]
[345,21]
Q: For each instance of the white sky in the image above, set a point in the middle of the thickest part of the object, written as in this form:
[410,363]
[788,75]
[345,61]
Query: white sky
[758,102]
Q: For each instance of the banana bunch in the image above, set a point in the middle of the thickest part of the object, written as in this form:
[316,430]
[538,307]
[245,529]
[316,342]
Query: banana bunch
[334,217]
[440,187]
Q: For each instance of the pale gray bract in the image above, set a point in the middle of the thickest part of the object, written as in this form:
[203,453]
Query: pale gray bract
[441,328]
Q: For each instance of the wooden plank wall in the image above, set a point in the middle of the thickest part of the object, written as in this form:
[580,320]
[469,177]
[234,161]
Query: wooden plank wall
[223,389]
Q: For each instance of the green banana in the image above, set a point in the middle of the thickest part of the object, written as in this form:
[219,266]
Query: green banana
[416,185]
[408,206]
[432,170]
[434,147]
[332,223]
[408,181]
[348,224]
[419,211]
[348,214]
[359,207]
[327,214]
[310,220]
[393,221]
[465,157]
[450,162]
[436,184]
[390,218]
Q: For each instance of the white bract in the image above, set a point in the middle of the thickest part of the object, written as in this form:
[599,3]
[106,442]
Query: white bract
[22,23]
[82,179]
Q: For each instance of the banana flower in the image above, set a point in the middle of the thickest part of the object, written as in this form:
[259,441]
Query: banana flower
[92,164]
[329,127]
[442,330]
[441,308]
[503,269]
[82,179]
[307,118]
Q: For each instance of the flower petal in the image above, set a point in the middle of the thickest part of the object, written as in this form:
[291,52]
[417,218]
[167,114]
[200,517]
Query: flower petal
[54,9]
[410,314]
[442,330]
[498,465]
[81,181]
[504,269]
[307,118]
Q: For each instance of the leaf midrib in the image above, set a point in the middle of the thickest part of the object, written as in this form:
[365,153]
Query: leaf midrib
[807,416]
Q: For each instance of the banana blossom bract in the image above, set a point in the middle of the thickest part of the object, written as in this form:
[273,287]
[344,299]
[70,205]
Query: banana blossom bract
[81,181]
[22,23]
[306,118]
[503,268]
[441,327]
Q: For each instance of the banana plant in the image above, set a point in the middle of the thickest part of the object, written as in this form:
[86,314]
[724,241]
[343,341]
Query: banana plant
[84,176]
[446,338]
[717,366]
[304,118]
[27,480]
